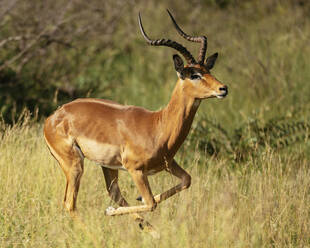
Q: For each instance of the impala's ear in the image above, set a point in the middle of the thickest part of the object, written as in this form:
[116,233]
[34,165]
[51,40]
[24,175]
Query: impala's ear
[211,61]
[178,64]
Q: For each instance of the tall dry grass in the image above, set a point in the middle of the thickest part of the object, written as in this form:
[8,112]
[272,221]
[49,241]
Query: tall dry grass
[259,203]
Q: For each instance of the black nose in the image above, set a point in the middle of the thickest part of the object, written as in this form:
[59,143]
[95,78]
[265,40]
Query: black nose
[224,88]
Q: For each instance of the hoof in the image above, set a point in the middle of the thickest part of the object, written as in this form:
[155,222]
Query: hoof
[109,211]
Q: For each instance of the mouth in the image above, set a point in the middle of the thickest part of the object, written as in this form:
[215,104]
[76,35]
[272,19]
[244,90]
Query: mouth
[224,94]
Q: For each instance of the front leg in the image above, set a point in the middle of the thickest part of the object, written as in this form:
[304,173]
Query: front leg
[177,171]
[143,185]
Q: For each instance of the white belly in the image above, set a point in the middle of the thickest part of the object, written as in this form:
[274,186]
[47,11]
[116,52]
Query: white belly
[106,155]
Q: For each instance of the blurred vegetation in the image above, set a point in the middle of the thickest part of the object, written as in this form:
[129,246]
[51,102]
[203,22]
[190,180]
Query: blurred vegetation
[247,140]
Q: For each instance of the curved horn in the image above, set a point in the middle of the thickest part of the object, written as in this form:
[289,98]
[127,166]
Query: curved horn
[166,42]
[199,39]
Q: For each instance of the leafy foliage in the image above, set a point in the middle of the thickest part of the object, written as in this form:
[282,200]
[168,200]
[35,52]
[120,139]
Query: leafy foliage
[252,136]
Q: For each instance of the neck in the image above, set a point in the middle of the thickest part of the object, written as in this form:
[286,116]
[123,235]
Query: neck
[177,118]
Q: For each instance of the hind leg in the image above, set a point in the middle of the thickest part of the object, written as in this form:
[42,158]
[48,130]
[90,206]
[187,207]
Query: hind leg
[71,160]
[74,171]
[111,180]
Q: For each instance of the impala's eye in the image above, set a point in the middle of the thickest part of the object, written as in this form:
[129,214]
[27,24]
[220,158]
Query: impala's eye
[195,77]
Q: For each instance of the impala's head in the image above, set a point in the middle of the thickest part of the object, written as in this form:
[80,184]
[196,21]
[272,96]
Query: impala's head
[195,77]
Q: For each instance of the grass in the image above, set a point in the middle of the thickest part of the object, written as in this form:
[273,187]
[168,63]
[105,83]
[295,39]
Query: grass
[258,203]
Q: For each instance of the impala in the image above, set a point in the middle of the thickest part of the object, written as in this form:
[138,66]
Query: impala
[130,138]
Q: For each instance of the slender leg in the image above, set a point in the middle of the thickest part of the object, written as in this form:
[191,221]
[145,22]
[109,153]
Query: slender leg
[73,175]
[111,179]
[142,184]
[177,171]
[69,156]
[71,161]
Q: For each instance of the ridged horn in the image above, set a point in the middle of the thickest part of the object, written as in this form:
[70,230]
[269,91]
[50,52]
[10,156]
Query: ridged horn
[170,43]
[198,39]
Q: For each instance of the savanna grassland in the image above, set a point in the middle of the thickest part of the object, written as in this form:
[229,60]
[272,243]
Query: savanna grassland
[248,154]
